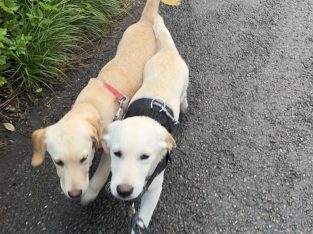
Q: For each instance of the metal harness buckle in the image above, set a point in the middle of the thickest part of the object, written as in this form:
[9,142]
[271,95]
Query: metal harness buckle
[121,102]
[159,102]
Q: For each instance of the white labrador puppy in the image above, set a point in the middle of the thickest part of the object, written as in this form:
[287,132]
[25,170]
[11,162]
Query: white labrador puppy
[140,142]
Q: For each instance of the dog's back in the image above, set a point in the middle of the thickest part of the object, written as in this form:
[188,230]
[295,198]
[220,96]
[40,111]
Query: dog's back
[125,71]
[137,46]
[166,73]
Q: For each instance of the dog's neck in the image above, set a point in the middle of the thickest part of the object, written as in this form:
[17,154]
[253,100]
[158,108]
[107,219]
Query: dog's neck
[100,99]
[82,110]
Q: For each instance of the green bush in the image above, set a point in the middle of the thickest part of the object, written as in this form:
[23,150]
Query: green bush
[38,37]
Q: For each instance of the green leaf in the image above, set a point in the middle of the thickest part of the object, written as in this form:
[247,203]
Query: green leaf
[8,6]
[3,32]
[14,26]
[47,7]
[20,44]
[3,36]
[3,60]
[3,81]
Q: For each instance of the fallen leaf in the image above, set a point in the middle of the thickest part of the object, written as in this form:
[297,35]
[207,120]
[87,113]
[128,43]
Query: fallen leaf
[39,90]
[11,109]
[8,126]
[307,209]
[172,2]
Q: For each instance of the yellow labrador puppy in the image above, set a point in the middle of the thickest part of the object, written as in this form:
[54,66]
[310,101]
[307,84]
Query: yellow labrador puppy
[141,142]
[71,142]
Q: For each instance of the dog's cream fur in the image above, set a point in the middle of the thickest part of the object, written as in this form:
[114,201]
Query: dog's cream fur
[166,77]
[70,141]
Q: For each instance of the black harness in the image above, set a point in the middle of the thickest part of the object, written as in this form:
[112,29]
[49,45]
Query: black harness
[156,109]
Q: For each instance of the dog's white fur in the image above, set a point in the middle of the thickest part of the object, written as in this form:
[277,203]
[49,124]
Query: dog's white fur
[70,141]
[166,77]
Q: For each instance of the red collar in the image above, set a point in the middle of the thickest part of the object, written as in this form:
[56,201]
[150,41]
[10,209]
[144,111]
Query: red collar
[114,91]
[120,98]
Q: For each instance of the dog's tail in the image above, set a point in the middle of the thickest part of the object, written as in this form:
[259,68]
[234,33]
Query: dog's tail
[151,10]
[162,34]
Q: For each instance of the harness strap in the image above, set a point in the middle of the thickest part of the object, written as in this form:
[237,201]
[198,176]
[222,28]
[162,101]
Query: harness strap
[154,108]
[137,224]
[159,168]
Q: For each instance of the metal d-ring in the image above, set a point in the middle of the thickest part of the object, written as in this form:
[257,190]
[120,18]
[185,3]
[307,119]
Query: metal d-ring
[158,102]
[161,103]
[121,101]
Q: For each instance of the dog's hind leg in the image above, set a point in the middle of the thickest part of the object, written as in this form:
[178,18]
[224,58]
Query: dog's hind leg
[150,10]
[166,42]
[98,180]
[162,34]
[183,99]
[184,103]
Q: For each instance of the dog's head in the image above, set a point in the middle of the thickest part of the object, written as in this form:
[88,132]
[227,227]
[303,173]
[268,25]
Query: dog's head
[71,143]
[137,145]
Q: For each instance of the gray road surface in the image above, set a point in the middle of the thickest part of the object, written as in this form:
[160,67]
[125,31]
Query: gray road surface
[244,163]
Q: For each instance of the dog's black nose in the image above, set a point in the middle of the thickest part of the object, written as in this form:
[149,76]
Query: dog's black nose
[124,190]
[75,193]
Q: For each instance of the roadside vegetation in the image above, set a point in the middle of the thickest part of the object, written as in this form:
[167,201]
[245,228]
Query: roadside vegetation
[38,38]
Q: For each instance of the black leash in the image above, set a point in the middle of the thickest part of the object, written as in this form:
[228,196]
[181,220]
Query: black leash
[159,168]
[137,223]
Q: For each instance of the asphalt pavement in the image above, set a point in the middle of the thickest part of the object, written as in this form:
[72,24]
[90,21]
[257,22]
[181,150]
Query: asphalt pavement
[244,162]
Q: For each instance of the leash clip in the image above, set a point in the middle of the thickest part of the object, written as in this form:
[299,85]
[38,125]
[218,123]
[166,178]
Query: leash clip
[138,226]
[122,103]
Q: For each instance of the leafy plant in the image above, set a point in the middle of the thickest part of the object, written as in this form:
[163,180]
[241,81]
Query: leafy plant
[38,37]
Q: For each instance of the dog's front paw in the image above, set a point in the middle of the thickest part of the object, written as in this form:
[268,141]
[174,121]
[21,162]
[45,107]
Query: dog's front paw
[88,197]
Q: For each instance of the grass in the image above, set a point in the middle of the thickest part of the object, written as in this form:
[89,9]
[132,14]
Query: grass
[42,37]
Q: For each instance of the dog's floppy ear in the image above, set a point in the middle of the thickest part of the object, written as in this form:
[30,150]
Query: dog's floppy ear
[39,146]
[103,141]
[169,142]
[95,124]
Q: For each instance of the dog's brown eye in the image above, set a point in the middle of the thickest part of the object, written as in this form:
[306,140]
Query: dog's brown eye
[83,159]
[144,157]
[59,163]
[118,154]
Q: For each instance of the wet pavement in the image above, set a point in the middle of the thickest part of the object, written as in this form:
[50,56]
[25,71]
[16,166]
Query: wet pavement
[244,161]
